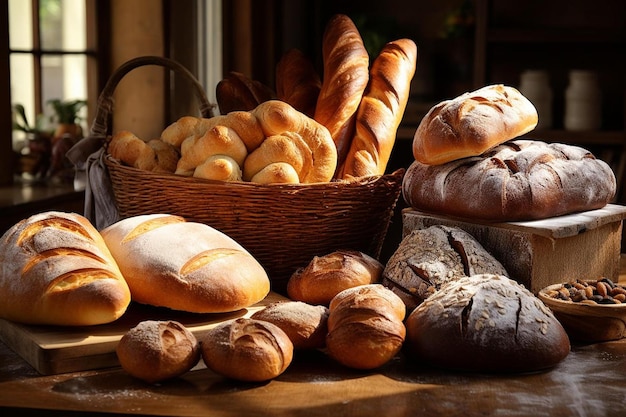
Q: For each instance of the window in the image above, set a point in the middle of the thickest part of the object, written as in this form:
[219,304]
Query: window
[52,55]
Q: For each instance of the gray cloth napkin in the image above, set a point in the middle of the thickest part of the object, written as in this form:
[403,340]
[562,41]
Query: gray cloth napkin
[91,172]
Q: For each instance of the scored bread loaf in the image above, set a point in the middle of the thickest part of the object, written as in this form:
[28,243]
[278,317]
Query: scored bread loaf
[297,81]
[381,110]
[185,266]
[428,258]
[485,323]
[518,180]
[327,275]
[155,351]
[246,349]
[365,326]
[57,269]
[473,123]
[345,76]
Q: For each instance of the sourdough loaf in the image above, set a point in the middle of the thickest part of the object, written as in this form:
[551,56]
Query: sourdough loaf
[57,269]
[428,258]
[518,180]
[185,266]
[472,123]
[485,323]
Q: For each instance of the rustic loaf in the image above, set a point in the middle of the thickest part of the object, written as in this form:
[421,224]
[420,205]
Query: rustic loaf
[155,351]
[185,266]
[238,92]
[518,180]
[472,123]
[381,110]
[428,258]
[57,269]
[485,323]
[297,81]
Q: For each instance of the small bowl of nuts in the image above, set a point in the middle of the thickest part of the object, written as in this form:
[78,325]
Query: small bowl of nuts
[589,310]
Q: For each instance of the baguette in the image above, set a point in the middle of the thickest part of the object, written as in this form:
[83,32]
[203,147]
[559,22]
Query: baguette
[57,269]
[346,73]
[381,110]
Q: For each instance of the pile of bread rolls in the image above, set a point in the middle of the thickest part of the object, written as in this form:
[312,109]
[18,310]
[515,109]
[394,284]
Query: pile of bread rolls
[311,129]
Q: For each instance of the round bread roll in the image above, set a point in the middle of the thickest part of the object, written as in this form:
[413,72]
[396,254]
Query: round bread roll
[247,350]
[518,180]
[305,324]
[158,350]
[185,266]
[473,123]
[326,276]
[428,258]
[365,326]
[56,269]
[486,323]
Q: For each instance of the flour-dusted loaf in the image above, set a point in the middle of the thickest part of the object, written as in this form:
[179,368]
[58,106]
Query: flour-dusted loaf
[246,349]
[155,351]
[518,180]
[185,266]
[485,323]
[473,123]
[428,258]
[56,269]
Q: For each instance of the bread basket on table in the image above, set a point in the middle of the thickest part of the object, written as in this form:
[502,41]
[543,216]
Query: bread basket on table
[282,225]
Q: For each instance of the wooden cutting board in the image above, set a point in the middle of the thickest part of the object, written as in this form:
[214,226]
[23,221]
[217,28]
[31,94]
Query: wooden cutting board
[57,349]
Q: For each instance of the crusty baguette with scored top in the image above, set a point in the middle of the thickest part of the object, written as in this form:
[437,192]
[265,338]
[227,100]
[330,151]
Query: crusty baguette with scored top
[185,266]
[381,110]
[56,269]
[346,73]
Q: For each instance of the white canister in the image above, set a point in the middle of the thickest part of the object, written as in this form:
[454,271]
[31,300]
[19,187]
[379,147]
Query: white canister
[583,101]
[535,86]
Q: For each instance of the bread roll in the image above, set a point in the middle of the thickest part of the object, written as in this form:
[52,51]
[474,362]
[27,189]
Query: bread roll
[381,110]
[305,324]
[485,323]
[57,269]
[297,82]
[428,258]
[154,155]
[185,266]
[155,351]
[365,326]
[472,123]
[346,73]
[326,276]
[518,180]
[220,168]
[310,138]
[177,132]
[247,350]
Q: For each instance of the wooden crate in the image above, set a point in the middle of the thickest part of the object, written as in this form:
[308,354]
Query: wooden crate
[543,252]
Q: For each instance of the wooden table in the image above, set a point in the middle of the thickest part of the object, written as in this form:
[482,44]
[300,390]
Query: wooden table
[591,381]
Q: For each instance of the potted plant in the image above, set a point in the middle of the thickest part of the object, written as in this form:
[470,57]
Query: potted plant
[66,118]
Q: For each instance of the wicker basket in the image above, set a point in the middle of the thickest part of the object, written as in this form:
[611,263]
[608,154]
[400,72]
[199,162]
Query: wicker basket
[283,225]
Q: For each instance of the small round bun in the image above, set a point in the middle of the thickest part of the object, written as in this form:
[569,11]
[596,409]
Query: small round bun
[365,326]
[327,275]
[485,323]
[246,349]
[305,324]
[158,350]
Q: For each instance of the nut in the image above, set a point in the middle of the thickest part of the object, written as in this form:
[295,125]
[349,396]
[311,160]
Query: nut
[601,291]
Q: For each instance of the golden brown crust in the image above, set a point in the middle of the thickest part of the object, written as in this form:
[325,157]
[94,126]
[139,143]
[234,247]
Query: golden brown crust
[238,92]
[473,123]
[381,110]
[185,266]
[305,324]
[155,351]
[297,82]
[247,350]
[346,73]
[326,276]
[56,269]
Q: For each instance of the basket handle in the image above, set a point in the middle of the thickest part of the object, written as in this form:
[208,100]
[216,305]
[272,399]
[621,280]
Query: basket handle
[104,108]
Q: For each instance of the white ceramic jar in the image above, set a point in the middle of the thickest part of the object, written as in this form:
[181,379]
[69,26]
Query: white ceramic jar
[535,86]
[583,101]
